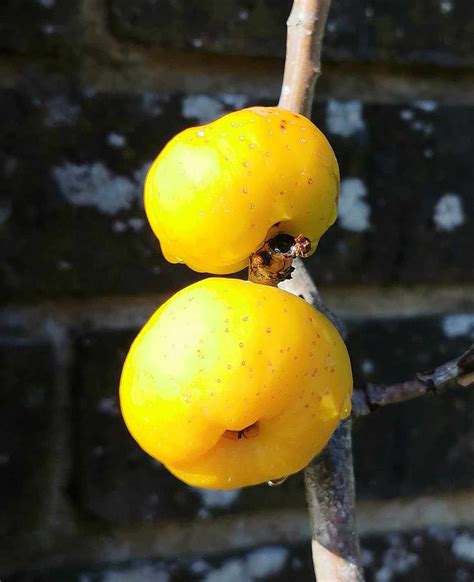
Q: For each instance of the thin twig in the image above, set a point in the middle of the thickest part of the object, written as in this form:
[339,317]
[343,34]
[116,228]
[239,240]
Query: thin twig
[458,373]
[329,479]
[306,25]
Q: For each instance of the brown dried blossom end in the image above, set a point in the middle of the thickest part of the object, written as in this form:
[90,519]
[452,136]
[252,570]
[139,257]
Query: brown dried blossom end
[272,263]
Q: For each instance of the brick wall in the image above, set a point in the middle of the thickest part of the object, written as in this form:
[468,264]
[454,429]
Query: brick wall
[90,90]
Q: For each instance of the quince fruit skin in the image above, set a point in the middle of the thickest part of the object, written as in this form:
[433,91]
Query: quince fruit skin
[216,192]
[231,384]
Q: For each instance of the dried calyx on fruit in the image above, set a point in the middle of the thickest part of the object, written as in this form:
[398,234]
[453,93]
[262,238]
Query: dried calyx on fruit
[217,192]
[272,263]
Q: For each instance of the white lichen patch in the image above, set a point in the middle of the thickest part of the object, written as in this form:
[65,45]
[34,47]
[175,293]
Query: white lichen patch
[448,212]
[145,573]
[458,325]
[367,557]
[60,111]
[218,499]
[234,100]
[422,127]
[428,153]
[108,406]
[47,3]
[136,223]
[259,564]
[406,114]
[230,571]
[116,140]
[152,103]
[94,185]
[396,560]
[354,210]
[445,6]
[266,562]
[367,366]
[426,105]
[344,118]
[199,567]
[202,107]
[463,547]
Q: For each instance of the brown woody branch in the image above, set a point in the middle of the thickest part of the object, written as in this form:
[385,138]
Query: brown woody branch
[329,479]
[458,373]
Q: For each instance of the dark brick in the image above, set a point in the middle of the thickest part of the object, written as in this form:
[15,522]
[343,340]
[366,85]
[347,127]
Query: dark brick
[74,221]
[26,415]
[422,446]
[424,32]
[397,451]
[74,164]
[115,479]
[267,563]
[433,555]
[411,163]
[45,27]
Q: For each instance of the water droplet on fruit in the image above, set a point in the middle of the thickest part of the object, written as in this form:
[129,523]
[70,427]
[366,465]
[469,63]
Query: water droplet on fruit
[276,482]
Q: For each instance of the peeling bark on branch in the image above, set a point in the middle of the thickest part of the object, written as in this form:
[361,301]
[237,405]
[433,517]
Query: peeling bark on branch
[330,493]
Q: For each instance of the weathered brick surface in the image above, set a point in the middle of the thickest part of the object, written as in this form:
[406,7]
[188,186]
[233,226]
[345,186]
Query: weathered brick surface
[40,27]
[74,164]
[418,447]
[26,415]
[419,556]
[428,31]
[114,479]
[425,445]
[74,167]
